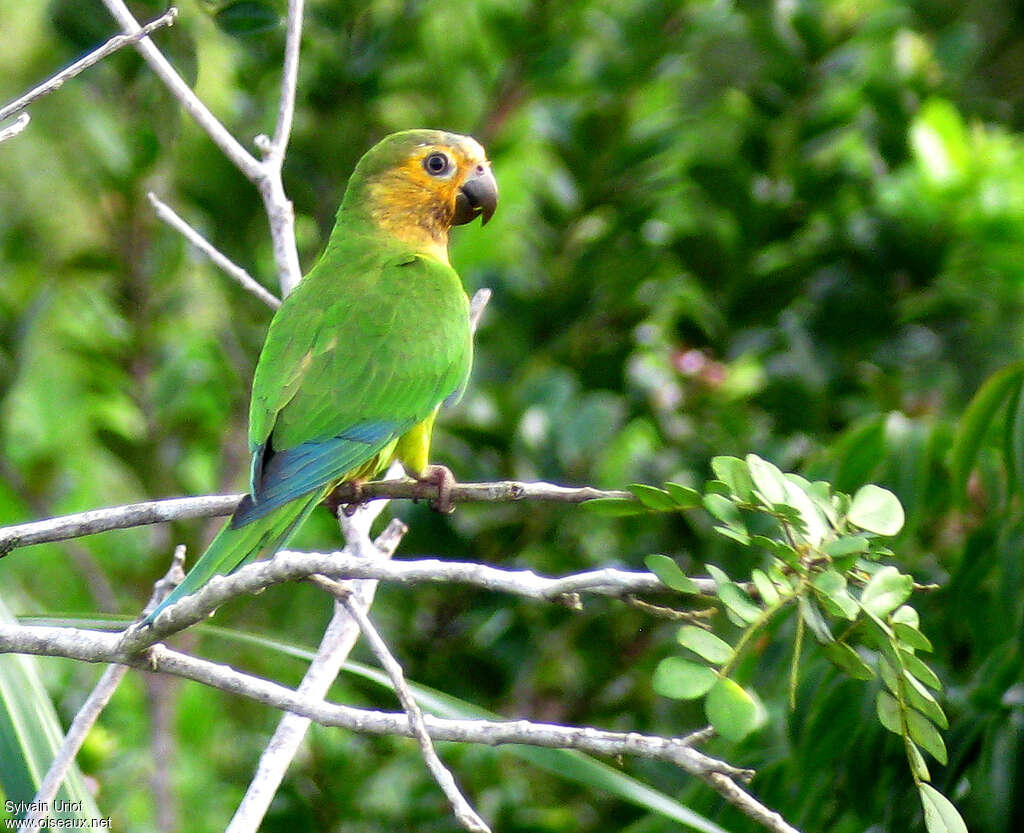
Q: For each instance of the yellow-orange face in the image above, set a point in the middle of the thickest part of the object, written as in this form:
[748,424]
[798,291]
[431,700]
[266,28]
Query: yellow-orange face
[419,183]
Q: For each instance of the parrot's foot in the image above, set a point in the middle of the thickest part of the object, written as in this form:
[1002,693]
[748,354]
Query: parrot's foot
[347,496]
[443,480]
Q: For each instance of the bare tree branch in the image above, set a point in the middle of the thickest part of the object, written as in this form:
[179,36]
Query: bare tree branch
[264,174]
[233,270]
[229,145]
[279,208]
[14,128]
[464,812]
[335,646]
[289,80]
[96,646]
[77,731]
[293,566]
[82,64]
[502,491]
[116,517]
[746,803]
[211,506]
[477,305]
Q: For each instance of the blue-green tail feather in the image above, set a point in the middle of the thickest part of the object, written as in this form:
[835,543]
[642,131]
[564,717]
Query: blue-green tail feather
[235,546]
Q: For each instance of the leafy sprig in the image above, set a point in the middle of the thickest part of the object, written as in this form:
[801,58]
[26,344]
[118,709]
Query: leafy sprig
[821,557]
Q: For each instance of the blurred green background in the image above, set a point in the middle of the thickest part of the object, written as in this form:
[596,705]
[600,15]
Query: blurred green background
[791,228]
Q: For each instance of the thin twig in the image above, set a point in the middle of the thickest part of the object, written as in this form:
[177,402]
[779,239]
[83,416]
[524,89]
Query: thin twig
[14,128]
[94,705]
[476,307]
[335,646]
[464,812]
[289,80]
[232,269]
[497,492]
[248,164]
[746,803]
[116,517]
[210,506]
[82,64]
[264,174]
[77,731]
[280,211]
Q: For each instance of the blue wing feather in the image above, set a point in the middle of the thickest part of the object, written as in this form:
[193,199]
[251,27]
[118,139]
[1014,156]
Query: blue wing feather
[287,475]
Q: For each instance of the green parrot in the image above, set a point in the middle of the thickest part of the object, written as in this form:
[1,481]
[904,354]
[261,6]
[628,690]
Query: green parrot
[365,350]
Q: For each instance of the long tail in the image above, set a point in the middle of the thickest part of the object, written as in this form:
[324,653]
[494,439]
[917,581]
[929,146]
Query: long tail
[235,546]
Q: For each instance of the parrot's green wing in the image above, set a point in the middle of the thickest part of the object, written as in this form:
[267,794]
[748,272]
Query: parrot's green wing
[364,349]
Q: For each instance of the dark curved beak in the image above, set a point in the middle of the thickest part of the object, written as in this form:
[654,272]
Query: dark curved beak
[478,197]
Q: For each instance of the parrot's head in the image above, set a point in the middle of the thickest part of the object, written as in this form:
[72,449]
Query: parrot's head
[417,184]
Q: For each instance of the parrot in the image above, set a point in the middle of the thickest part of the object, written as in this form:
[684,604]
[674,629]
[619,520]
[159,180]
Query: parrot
[360,356]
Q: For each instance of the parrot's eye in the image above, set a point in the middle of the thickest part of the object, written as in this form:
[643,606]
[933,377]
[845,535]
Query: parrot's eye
[436,164]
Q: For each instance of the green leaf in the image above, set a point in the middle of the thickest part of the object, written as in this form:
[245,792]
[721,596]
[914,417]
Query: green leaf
[877,634]
[705,644]
[888,674]
[682,679]
[843,656]
[768,479]
[1013,440]
[975,423]
[614,507]
[725,510]
[921,699]
[925,735]
[786,584]
[684,496]
[668,572]
[732,711]
[734,473]
[838,602]
[814,522]
[911,637]
[906,615]
[821,493]
[887,590]
[916,761]
[876,510]
[847,545]
[888,712]
[940,816]
[737,535]
[247,17]
[815,621]
[653,497]
[733,597]
[776,548]
[920,670]
[765,588]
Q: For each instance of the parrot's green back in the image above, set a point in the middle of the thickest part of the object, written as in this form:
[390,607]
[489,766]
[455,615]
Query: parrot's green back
[365,349]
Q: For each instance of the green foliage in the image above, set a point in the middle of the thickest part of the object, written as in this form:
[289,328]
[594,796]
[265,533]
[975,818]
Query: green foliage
[815,553]
[787,229]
